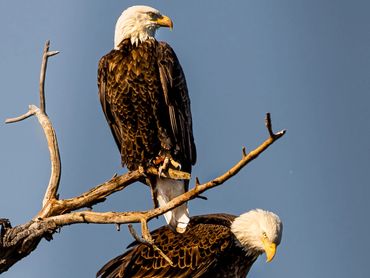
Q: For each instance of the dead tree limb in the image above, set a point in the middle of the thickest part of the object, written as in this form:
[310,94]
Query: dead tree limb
[18,242]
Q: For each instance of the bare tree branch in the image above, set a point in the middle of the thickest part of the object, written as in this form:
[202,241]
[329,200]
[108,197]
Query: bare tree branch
[92,197]
[141,240]
[28,114]
[44,64]
[52,188]
[18,242]
[51,191]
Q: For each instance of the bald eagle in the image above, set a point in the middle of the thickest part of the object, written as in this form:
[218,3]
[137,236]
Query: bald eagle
[214,245]
[144,96]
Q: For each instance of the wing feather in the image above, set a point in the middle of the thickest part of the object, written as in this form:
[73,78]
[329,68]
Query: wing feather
[177,99]
[103,68]
[193,253]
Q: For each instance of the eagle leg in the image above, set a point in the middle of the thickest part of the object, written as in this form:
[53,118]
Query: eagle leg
[175,164]
[153,191]
[164,166]
[165,163]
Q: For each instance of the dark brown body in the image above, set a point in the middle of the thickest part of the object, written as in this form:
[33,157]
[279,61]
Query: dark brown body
[208,248]
[145,100]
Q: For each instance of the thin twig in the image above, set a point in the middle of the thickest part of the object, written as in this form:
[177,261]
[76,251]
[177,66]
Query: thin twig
[145,231]
[44,65]
[52,53]
[197,182]
[202,197]
[269,125]
[20,118]
[152,245]
[134,234]
[244,151]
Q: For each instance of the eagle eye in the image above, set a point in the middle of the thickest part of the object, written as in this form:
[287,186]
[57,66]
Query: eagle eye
[153,15]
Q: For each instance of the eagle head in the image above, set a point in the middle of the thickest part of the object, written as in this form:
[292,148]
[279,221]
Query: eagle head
[258,231]
[139,23]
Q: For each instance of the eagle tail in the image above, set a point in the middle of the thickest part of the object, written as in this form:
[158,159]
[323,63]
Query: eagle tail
[166,190]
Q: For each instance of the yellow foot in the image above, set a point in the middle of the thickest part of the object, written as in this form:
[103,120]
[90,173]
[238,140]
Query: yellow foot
[166,163]
[164,166]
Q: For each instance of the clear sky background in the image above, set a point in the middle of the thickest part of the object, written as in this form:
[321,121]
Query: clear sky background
[306,62]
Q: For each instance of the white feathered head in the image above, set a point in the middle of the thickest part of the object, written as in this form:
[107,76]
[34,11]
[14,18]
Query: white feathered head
[139,23]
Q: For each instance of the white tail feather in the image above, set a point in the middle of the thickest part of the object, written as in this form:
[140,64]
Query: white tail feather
[167,189]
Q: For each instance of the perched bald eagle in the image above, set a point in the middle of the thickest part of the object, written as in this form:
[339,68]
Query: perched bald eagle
[143,93]
[215,245]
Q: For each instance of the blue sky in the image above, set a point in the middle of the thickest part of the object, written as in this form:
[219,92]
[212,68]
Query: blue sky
[306,62]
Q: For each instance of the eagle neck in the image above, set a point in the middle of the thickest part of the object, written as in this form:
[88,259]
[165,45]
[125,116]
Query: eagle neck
[127,45]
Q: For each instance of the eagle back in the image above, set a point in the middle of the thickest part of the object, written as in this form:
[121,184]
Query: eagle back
[206,249]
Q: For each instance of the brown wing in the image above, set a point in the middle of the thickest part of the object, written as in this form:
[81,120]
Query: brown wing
[145,100]
[195,253]
[177,99]
[131,97]
[102,84]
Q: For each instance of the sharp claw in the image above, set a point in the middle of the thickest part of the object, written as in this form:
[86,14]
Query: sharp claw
[175,164]
[160,171]
[164,166]
[166,163]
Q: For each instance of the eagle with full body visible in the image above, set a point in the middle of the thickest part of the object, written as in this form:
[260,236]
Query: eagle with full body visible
[213,246]
[144,96]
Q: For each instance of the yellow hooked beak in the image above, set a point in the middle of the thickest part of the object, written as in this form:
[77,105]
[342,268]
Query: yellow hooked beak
[164,21]
[270,249]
